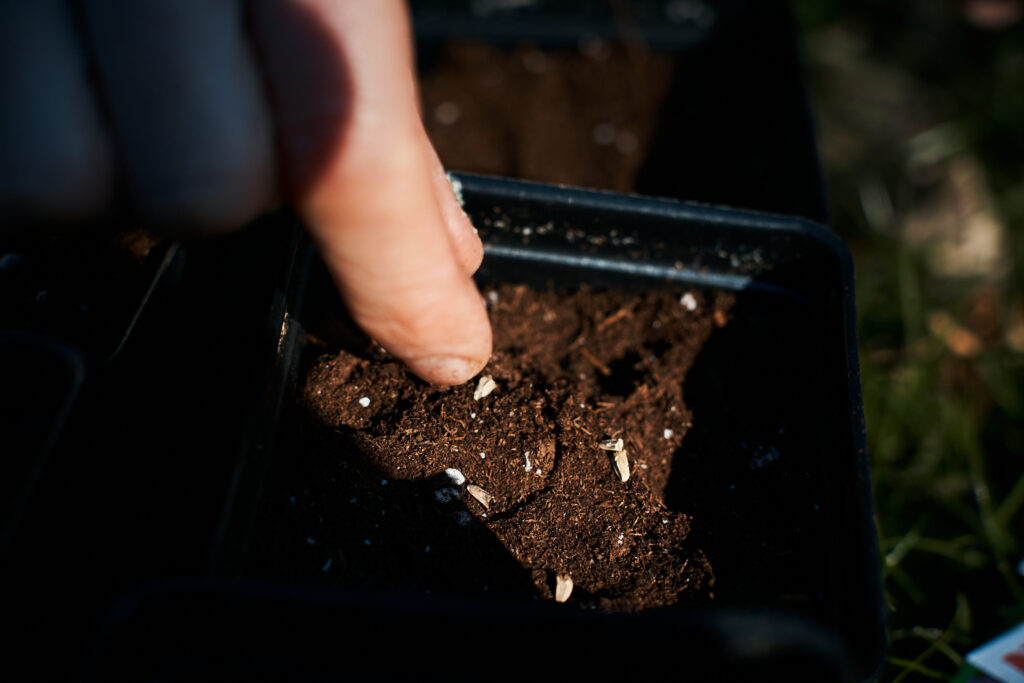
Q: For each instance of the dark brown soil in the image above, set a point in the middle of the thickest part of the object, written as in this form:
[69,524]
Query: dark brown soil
[369,503]
[582,117]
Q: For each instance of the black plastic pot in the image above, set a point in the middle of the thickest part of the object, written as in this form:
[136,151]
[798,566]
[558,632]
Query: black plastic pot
[735,127]
[786,362]
[60,322]
[661,23]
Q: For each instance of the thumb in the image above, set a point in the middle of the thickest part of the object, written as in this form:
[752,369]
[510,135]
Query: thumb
[363,173]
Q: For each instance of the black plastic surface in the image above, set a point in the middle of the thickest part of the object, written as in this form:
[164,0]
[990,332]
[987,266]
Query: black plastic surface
[788,360]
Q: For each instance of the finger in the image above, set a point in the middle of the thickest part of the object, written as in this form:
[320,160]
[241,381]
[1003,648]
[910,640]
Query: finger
[54,158]
[343,87]
[190,119]
[468,248]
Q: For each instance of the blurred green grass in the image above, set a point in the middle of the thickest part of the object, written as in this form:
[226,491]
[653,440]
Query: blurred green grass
[920,120]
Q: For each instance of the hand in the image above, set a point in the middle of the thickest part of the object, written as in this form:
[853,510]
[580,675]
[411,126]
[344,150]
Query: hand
[206,112]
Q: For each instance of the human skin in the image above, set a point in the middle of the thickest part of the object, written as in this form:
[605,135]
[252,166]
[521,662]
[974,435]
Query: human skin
[199,115]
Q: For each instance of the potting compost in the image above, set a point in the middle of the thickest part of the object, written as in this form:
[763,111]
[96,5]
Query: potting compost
[504,484]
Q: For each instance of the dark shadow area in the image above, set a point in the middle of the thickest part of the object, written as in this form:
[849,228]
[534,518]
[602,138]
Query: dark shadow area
[623,376]
[324,502]
[736,128]
[260,632]
[137,473]
[749,470]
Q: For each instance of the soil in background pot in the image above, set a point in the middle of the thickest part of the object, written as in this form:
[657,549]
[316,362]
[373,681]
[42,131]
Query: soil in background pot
[582,117]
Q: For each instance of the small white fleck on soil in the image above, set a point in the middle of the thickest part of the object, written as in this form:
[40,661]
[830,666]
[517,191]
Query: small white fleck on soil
[667,433]
[688,301]
[365,401]
[457,477]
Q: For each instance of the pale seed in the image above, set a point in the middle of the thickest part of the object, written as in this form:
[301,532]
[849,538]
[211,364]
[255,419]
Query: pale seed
[482,496]
[484,387]
[563,587]
[622,465]
[611,445]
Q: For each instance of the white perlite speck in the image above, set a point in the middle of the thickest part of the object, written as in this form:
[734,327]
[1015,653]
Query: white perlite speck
[689,301]
[457,477]
[484,387]
[456,186]
[365,401]
[667,433]
[611,445]
[563,587]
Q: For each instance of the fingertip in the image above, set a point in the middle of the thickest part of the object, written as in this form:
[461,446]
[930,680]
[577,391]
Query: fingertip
[444,338]
[447,370]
